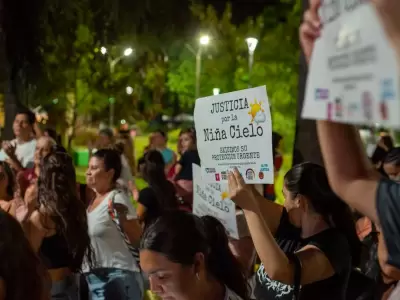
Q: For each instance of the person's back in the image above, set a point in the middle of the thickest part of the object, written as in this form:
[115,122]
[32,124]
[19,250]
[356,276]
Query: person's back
[160,195]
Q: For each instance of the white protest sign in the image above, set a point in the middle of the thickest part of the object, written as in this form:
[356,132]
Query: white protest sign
[353,75]
[212,200]
[235,130]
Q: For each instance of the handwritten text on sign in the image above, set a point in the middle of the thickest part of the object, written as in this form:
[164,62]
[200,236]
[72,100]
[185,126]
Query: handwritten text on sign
[212,200]
[234,130]
[353,76]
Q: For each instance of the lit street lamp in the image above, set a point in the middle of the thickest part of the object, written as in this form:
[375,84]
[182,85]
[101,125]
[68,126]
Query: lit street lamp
[128,51]
[112,63]
[129,90]
[204,41]
[252,45]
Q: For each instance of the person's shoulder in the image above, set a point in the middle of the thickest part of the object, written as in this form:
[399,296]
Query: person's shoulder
[330,238]
[119,196]
[388,190]
[388,209]
[335,246]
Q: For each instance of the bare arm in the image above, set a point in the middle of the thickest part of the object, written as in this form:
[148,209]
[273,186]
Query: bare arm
[315,266]
[178,168]
[351,175]
[270,211]
[141,212]
[132,228]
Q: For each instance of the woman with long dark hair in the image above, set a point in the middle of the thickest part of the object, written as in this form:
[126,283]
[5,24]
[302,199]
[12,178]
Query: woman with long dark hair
[22,275]
[188,258]
[159,196]
[310,243]
[116,274]
[57,228]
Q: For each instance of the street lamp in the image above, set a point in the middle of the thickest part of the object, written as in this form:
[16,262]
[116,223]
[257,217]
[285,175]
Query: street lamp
[128,51]
[252,45]
[204,41]
[216,91]
[129,90]
[112,63]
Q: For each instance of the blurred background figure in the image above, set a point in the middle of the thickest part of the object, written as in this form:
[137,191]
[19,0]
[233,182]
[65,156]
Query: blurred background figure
[159,141]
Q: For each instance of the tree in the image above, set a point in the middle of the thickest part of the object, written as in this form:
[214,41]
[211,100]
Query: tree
[71,70]
[225,60]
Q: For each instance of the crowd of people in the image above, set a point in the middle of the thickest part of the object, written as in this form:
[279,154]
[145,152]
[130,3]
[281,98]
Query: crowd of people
[337,236]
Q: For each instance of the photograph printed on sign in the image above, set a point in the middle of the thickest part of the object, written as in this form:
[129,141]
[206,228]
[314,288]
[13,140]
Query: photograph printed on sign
[234,130]
[353,70]
[212,199]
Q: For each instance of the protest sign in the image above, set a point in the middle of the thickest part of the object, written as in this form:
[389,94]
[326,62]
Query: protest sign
[353,75]
[212,200]
[234,130]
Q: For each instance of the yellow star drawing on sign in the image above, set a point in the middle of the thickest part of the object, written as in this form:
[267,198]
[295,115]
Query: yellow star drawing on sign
[224,195]
[254,109]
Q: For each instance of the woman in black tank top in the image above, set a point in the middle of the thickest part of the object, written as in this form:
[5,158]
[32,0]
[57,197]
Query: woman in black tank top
[58,227]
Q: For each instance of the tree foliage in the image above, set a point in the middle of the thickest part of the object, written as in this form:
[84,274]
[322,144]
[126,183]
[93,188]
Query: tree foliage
[162,69]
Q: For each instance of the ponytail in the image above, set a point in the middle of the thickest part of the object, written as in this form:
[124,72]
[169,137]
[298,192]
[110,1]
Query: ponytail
[221,262]
[179,236]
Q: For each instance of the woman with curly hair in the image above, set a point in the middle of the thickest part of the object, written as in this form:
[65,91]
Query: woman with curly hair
[57,228]
[22,275]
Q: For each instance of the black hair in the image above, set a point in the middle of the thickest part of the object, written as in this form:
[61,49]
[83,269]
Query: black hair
[54,135]
[393,157]
[24,275]
[112,161]
[388,141]
[276,138]
[107,132]
[57,193]
[310,180]
[154,173]
[179,236]
[162,133]
[31,116]
[11,178]
[378,156]
[119,146]
[297,157]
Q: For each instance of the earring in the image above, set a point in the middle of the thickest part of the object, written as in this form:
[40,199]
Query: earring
[197,276]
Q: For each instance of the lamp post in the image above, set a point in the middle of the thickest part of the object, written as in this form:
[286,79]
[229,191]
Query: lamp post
[112,63]
[252,45]
[204,41]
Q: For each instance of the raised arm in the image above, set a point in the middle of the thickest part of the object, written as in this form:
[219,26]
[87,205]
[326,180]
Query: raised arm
[351,175]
